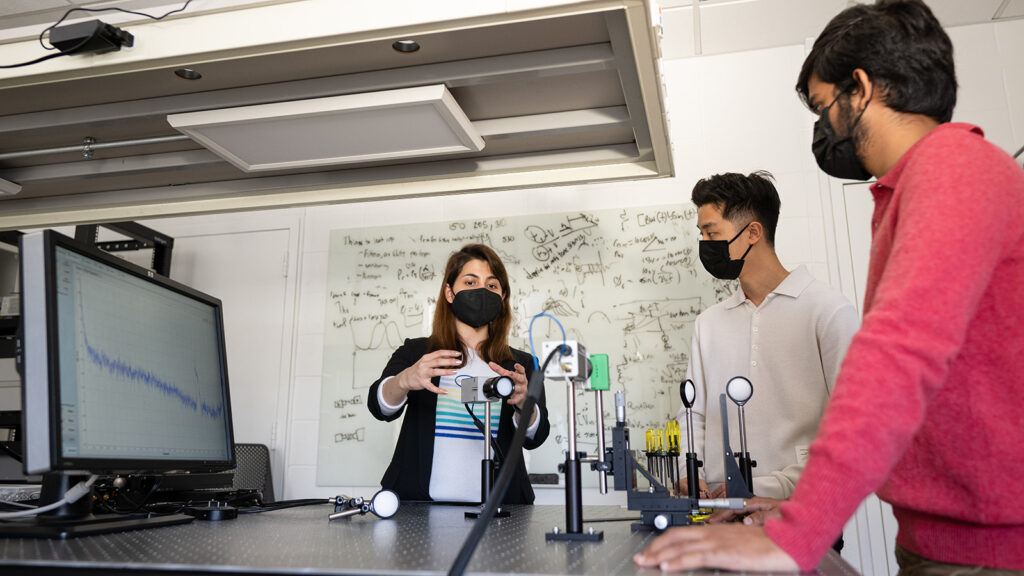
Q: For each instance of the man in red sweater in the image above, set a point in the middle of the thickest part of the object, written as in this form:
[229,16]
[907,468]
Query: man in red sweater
[928,409]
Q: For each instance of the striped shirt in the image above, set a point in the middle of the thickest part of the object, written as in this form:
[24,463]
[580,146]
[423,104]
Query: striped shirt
[458,443]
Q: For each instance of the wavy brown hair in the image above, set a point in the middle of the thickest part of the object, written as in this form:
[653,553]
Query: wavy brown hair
[444,335]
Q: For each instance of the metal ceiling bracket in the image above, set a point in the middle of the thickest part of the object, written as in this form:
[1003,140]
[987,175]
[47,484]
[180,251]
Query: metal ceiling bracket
[87,151]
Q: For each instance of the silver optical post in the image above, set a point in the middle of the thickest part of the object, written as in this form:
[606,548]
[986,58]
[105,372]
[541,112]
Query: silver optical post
[484,390]
[574,367]
[739,390]
[688,392]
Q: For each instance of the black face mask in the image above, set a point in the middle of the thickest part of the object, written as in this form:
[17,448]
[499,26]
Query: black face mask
[837,157]
[714,255]
[476,307]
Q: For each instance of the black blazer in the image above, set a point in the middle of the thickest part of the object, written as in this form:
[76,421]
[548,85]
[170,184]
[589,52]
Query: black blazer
[409,472]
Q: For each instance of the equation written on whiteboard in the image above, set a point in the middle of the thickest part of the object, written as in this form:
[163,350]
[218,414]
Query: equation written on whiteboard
[627,283]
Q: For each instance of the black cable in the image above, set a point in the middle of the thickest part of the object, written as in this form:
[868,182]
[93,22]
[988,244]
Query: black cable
[49,56]
[533,392]
[79,9]
[177,507]
[83,42]
[150,511]
[240,499]
[152,490]
[246,497]
[283,505]
[166,508]
[6,448]
[480,427]
[119,496]
[40,59]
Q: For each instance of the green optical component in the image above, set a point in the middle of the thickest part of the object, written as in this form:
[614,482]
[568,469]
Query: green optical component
[599,377]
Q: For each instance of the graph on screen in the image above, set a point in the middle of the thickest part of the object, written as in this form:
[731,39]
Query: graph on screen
[140,377]
[117,368]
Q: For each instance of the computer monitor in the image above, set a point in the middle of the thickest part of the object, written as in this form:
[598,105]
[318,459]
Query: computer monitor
[123,371]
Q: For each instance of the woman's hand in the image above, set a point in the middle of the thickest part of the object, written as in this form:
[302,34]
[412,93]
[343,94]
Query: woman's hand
[418,376]
[518,376]
[518,397]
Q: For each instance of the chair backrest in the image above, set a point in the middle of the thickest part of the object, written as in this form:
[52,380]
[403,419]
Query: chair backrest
[253,470]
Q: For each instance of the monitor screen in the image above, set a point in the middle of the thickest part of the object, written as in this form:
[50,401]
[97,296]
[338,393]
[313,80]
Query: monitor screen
[124,370]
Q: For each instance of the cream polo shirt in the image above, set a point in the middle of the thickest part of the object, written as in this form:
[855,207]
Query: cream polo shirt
[790,348]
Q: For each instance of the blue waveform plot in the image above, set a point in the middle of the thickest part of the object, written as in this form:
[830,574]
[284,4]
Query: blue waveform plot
[116,367]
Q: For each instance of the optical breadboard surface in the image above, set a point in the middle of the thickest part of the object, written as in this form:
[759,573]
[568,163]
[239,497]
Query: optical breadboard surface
[420,539]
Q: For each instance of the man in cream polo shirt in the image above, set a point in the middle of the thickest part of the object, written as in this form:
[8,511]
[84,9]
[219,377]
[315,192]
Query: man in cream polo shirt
[783,330]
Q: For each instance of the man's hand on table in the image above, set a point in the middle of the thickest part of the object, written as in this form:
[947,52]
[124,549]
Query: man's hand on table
[724,546]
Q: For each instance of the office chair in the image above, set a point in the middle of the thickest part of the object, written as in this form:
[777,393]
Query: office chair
[252,470]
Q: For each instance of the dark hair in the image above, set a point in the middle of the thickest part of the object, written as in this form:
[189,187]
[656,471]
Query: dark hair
[445,336]
[901,46]
[742,199]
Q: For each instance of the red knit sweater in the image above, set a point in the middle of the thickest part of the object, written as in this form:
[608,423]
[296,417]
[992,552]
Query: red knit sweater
[928,408]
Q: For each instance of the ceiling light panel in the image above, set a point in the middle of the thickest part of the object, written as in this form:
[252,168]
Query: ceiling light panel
[372,126]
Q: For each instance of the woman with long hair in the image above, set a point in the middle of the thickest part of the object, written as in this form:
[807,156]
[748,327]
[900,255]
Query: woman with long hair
[440,445]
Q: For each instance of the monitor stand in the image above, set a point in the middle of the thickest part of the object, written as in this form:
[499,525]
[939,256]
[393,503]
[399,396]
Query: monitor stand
[76,519]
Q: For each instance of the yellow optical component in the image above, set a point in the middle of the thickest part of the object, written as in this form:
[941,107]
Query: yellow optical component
[700,516]
[672,431]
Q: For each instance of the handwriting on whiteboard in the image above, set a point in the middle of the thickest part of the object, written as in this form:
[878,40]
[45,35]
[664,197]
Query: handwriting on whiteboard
[626,283]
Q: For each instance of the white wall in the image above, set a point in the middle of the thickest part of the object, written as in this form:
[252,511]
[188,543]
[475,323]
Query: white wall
[991,80]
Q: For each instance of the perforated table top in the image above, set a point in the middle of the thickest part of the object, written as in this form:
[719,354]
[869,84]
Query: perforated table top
[419,539]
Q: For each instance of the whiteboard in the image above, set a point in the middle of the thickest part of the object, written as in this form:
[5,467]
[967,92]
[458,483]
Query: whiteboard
[627,283]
